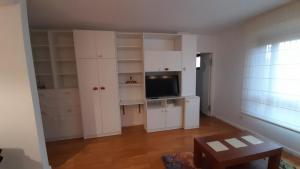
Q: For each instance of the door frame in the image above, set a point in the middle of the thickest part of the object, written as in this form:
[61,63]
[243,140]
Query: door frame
[210,57]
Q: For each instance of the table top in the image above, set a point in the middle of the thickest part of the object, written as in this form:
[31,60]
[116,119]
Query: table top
[250,152]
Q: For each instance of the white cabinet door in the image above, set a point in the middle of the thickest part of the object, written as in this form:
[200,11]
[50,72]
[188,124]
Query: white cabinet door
[191,112]
[85,44]
[162,61]
[189,52]
[105,44]
[172,61]
[153,63]
[111,117]
[174,117]
[88,79]
[156,118]
[94,44]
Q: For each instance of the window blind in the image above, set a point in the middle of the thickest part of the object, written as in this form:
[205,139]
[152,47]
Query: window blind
[271,89]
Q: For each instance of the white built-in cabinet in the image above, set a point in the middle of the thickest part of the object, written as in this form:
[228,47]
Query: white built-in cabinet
[109,68]
[56,76]
[188,74]
[95,44]
[158,61]
[191,111]
[98,82]
[162,52]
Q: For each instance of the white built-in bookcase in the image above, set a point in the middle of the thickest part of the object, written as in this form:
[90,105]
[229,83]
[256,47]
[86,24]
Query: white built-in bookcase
[56,75]
[54,59]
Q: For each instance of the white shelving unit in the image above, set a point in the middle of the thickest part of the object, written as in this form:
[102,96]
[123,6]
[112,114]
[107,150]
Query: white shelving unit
[162,52]
[162,42]
[130,68]
[54,59]
[56,74]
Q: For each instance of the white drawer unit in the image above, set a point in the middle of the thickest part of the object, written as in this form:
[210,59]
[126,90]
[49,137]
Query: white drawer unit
[60,113]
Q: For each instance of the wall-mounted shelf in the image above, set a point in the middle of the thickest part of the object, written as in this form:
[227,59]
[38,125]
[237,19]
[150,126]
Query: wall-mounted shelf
[39,45]
[42,60]
[43,74]
[129,73]
[131,102]
[124,47]
[64,46]
[130,60]
[161,42]
[130,85]
[165,98]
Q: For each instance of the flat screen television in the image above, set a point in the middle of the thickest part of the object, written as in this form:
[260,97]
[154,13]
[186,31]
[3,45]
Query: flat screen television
[162,86]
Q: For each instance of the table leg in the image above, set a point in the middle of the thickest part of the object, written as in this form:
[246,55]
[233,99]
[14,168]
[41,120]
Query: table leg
[197,154]
[274,162]
[215,166]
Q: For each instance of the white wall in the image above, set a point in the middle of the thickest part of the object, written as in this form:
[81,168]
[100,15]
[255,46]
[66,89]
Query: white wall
[132,116]
[22,138]
[207,44]
[231,48]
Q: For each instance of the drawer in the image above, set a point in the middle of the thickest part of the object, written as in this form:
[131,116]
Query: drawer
[48,98]
[67,111]
[70,127]
[68,97]
[50,111]
[50,126]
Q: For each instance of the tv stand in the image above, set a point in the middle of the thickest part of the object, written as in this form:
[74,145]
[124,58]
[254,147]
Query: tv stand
[164,114]
[172,113]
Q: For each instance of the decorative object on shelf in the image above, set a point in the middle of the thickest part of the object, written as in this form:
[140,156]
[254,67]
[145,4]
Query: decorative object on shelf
[131,81]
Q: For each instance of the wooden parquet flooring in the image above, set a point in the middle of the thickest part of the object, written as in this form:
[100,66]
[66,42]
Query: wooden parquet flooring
[134,149]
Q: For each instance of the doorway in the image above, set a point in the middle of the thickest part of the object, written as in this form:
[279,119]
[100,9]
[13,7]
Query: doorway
[203,81]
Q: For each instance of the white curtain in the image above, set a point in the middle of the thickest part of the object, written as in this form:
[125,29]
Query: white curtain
[271,88]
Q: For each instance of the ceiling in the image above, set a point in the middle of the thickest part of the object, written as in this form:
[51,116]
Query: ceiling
[198,16]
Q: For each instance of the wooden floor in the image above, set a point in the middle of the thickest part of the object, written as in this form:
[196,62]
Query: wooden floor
[134,149]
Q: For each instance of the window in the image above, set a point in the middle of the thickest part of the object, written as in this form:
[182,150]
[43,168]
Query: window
[271,88]
[198,61]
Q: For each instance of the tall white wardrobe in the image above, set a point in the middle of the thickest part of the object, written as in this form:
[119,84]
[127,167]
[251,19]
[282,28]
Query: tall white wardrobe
[98,82]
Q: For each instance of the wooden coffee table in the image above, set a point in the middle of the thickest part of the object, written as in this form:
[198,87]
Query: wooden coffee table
[206,157]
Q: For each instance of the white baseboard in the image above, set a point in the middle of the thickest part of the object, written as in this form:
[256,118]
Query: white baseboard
[191,127]
[102,135]
[163,129]
[63,138]
[286,148]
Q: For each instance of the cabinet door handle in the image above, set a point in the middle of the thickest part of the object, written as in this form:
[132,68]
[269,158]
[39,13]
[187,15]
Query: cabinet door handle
[102,88]
[95,88]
